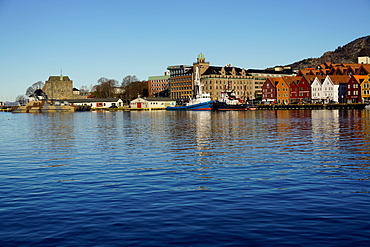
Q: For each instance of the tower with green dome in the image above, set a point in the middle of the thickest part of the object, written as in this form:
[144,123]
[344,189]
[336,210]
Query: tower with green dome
[201,58]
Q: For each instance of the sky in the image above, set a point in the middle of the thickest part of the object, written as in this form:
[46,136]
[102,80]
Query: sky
[87,40]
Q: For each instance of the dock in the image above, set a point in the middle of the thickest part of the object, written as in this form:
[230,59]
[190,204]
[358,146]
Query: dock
[334,106]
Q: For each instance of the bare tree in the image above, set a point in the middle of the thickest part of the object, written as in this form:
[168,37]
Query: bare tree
[136,88]
[21,99]
[128,80]
[30,91]
[37,85]
[84,90]
[105,88]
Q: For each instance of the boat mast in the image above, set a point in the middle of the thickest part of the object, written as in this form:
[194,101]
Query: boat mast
[197,81]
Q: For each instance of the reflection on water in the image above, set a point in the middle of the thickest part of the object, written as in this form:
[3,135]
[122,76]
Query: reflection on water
[283,142]
[291,177]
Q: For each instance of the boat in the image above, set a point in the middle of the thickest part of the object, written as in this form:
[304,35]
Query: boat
[40,103]
[201,102]
[228,101]
[367,107]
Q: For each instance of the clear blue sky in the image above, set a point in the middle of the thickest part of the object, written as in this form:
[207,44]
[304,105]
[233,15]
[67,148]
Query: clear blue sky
[93,39]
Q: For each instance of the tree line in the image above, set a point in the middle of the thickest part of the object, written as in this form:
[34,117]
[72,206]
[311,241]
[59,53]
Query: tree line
[127,90]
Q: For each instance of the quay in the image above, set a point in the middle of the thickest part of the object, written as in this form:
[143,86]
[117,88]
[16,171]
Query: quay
[5,109]
[145,109]
[334,106]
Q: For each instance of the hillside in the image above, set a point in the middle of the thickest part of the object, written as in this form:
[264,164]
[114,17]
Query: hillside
[343,54]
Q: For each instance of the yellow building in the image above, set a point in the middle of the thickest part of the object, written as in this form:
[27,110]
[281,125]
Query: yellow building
[365,89]
[216,80]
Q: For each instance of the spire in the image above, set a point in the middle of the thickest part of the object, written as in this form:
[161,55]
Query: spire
[61,75]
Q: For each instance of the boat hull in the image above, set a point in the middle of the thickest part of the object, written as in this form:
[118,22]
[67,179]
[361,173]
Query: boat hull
[222,106]
[205,106]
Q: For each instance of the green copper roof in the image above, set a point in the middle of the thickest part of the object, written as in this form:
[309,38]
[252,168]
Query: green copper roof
[200,55]
[161,77]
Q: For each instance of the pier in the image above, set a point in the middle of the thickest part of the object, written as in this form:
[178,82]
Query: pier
[352,106]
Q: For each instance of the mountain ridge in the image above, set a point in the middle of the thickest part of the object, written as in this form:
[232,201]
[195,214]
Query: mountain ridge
[343,54]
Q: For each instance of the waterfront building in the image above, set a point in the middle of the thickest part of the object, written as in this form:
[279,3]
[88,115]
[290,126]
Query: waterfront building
[293,90]
[158,86]
[259,76]
[365,89]
[316,89]
[328,83]
[303,92]
[247,84]
[152,103]
[353,88]
[334,88]
[283,89]
[327,90]
[217,79]
[269,90]
[95,103]
[180,81]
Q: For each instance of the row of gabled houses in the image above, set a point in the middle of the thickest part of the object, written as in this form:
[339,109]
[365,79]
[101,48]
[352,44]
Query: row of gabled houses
[328,83]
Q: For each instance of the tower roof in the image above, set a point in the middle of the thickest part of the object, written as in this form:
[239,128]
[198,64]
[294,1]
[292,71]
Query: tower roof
[364,52]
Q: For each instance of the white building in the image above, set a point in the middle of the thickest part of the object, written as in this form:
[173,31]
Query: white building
[96,103]
[152,103]
[316,90]
[334,88]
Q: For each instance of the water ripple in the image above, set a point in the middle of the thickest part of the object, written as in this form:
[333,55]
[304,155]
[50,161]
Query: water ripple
[185,178]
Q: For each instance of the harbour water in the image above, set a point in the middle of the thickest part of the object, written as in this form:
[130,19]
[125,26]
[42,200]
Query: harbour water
[158,178]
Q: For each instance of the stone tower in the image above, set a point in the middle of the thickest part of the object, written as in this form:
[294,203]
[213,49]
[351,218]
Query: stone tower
[58,87]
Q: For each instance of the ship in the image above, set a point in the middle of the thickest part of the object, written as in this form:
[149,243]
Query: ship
[200,102]
[228,101]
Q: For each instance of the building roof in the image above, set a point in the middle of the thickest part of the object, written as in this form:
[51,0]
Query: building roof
[211,70]
[59,78]
[88,100]
[180,66]
[271,71]
[273,80]
[289,80]
[339,79]
[364,52]
[160,77]
[359,78]
[365,68]
[158,99]
[310,78]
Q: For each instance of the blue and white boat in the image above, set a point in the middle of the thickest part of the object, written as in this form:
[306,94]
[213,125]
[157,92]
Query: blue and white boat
[201,102]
